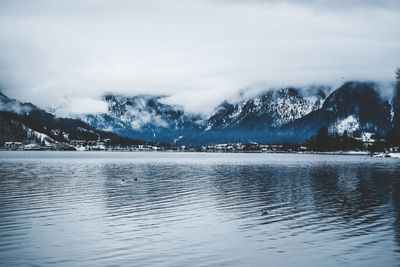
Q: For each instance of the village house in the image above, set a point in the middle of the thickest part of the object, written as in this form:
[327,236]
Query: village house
[13,145]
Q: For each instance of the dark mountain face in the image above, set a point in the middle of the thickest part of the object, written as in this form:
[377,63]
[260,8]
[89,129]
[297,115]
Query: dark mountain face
[362,100]
[355,107]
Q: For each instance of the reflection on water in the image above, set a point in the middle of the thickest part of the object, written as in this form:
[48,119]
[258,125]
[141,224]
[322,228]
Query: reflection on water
[70,208]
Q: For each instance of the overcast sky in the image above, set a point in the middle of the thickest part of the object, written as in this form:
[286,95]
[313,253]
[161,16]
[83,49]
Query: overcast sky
[199,52]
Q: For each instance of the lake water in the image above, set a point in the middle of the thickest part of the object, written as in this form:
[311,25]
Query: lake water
[198,209]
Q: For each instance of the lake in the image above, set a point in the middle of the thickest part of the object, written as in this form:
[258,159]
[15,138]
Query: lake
[198,209]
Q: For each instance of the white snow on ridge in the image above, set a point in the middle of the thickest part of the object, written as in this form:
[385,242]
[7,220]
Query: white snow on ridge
[41,136]
[289,108]
[349,124]
[177,139]
[238,111]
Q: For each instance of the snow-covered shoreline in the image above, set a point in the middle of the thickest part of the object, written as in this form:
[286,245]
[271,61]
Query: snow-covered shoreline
[388,155]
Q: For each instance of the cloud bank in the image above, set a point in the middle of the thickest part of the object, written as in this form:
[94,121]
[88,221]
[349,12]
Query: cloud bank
[200,52]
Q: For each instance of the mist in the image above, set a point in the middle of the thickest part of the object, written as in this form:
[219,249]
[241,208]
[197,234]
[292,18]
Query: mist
[10,105]
[199,53]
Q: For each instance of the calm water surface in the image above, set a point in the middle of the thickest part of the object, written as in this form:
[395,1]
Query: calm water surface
[198,209]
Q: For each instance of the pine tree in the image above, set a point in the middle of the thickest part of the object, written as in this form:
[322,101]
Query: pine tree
[323,140]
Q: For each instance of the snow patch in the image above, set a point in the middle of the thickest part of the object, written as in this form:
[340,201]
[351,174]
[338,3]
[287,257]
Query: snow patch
[388,155]
[177,139]
[349,124]
[367,137]
[40,136]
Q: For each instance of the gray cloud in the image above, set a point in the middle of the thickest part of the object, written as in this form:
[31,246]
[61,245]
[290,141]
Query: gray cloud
[14,107]
[199,52]
[10,105]
[324,4]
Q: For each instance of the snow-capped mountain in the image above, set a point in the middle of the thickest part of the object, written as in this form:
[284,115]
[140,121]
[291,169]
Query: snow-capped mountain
[147,117]
[144,117]
[25,122]
[269,110]
[355,107]
[285,115]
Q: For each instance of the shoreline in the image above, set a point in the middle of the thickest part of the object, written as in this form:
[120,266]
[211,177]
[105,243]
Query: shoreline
[219,152]
[338,153]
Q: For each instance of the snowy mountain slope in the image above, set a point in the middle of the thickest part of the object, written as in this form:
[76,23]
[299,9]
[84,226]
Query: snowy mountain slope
[26,122]
[269,110]
[15,131]
[356,107]
[285,115]
[144,117]
[147,117]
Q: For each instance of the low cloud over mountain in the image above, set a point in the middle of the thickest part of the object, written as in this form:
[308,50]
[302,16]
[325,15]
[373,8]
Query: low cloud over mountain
[284,115]
[74,51]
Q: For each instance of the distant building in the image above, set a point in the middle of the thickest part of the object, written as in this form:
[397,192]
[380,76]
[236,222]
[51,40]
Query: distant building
[238,145]
[63,146]
[100,143]
[78,142]
[32,147]
[13,145]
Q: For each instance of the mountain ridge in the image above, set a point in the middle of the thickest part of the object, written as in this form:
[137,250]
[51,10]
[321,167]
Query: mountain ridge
[273,116]
[284,115]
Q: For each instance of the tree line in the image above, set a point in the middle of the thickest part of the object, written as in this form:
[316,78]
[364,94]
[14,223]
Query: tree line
[325,142]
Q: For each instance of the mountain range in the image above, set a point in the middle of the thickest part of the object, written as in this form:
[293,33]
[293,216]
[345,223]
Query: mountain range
[284,115]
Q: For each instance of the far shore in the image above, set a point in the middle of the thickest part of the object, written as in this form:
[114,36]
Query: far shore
[348,153]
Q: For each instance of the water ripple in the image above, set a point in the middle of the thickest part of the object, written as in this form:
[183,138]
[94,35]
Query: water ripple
[176,209]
